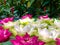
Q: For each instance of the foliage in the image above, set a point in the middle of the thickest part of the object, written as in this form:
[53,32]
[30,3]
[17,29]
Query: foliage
[35,7]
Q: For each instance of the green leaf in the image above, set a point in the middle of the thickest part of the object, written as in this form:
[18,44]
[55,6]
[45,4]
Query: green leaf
[30,3]
[52,42]
[45,3]
[6,43]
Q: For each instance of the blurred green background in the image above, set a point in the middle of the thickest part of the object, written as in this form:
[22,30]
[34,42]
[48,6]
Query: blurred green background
[18,8]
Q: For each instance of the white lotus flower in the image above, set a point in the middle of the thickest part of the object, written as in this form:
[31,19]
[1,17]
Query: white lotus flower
[17,28]
[44,33]
[24,29]
[48,34]
[26,20]
[28,29]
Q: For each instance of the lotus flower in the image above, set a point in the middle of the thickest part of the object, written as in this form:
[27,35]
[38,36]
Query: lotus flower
[6,20]
[26,21]
[22,30]
[44,17]
[53,34]
[27,16]
[57,41]
[4,35]
[27,40]
[44,33]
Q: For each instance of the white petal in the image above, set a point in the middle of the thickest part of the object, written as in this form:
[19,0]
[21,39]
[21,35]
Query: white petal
[54,34]
[17,28]
[44,33]
[57,23]
[27,28]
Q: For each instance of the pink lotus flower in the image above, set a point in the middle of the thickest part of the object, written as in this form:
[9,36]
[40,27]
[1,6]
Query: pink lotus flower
[4,35]
[57,41]
[27,16]
[27,40]
[6,20]
[44,17]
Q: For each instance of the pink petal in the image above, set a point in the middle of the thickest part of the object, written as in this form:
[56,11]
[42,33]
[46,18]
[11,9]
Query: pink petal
[14,42]
[27,40]
[27,16]
[57,41]
[4,35]
[41,43]
[44,17]
[26,36]
[19,38]
[1,27]
[34,39]
[5,20]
